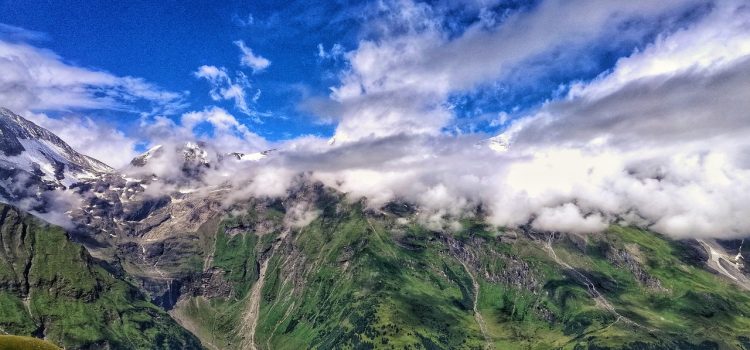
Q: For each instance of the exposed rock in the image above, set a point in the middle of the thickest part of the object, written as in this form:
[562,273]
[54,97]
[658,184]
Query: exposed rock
[626,259]
[516,272]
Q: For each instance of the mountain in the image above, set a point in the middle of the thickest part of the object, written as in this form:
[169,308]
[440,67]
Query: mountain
[52,288]
[29,148]
[251,157]
[32,159]
[356,278]
[317,269]
[192,158]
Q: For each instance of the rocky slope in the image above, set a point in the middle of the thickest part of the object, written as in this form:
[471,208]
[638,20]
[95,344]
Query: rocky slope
[51,288]
[33,159]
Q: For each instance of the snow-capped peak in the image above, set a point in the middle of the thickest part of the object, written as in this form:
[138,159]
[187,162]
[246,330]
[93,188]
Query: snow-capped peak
[28,148]
[250,157]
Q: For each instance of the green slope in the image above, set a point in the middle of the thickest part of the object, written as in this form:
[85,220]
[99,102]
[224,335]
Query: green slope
[14,342]
[354,279]
[51,288]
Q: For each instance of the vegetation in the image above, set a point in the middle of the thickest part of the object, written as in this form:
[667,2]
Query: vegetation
[353,279]
[14,342]
[51,287]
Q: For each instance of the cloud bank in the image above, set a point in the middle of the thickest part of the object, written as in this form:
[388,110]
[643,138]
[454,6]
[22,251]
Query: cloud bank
[659,141]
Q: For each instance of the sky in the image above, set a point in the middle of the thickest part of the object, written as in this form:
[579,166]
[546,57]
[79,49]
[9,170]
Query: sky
[303,49]
[595,111]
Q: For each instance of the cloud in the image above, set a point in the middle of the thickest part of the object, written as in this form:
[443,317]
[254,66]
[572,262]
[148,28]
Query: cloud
[224,87]
[568,218]
[416,56]
[243,22]
[660,141]
[38,79]
[249,59]
[92,138]
[228,134]
[301,214]
[212,125]
[335,53]
[33,80]
[13,33]
[688,87]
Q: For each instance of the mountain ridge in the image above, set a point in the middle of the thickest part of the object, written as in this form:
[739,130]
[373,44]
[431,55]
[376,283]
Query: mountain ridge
[316,269]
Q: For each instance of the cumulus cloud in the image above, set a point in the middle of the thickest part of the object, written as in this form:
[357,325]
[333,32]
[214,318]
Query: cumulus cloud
[417,64]
[249,59]
[568,218]
[335,53]
[212,125]
[658,141]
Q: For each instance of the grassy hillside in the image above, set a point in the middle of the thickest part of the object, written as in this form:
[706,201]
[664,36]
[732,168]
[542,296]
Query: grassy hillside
[51,288]
[360,280]
[14,342]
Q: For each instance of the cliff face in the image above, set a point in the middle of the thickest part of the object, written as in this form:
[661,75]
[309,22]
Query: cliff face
[52,288]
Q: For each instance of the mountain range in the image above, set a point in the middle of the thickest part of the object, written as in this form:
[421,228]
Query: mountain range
[146,257]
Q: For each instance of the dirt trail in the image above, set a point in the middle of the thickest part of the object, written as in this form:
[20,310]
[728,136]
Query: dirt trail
[477,314]
[252,311]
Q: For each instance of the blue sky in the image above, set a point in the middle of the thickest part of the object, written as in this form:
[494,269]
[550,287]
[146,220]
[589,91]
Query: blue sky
[165,42]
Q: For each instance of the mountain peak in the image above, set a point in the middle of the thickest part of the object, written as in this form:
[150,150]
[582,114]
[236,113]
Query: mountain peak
[33,160]
[28,147]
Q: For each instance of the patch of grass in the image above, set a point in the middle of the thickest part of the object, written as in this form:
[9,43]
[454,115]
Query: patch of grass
[14,342]
[236,256]
[694,307]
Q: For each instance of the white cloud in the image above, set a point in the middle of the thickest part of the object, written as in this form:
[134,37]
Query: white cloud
[400,81]
[34,79]
[659,141]
[224,87]
[13,33]
[249,59]
[94,139]
[38,79]
[229,135]
[335,53]
[301,214]
[568,218]
[243,22]
[715,42]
